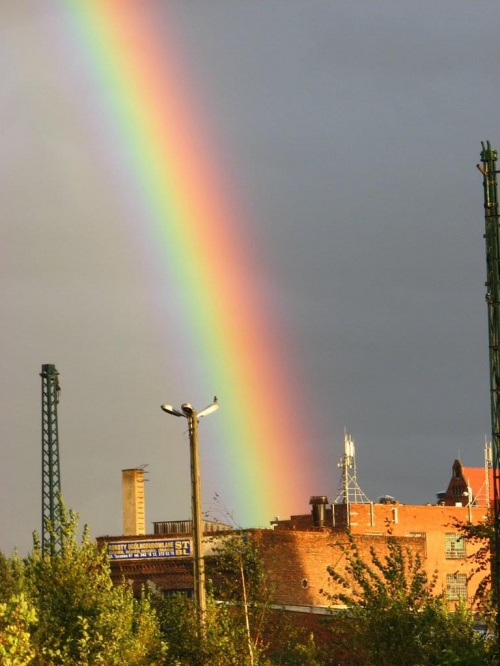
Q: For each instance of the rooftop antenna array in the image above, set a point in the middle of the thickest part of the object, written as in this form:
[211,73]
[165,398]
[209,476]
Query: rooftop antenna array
[483,497]
[350,492]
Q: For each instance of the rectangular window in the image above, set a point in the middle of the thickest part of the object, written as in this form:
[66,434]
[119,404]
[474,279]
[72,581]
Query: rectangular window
[456,586]
[189,593]
[454,546]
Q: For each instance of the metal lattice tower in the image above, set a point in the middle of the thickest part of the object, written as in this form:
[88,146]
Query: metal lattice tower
[492,237]
[51,472]
[483,497]
[350,492]
[487,466]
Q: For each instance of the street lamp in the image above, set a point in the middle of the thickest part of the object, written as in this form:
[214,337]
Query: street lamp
[192,416]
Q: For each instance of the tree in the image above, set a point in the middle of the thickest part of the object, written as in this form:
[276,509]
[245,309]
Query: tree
[238,577]
[235,596]
[71,614]
[225,643]
[393,617]
[11,576]
[239,620]
[63,609]
[240,582]
[16,619]
[482,535]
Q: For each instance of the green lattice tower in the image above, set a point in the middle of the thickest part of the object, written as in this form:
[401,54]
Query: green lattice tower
[492,236]
[51,471]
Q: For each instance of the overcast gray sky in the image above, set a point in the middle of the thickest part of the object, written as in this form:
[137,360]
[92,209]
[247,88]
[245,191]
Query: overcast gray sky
[352,130]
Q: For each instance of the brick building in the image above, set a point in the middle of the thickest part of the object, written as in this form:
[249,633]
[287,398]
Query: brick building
[469,485]
[297,552]
[428,530]
[162,560]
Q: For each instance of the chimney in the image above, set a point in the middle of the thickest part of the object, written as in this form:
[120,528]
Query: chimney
[134,521]
[318,503]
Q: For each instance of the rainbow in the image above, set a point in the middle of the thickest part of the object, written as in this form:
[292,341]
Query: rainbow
[187,209]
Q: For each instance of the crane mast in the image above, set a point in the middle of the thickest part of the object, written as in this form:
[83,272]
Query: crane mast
[492,237]
[51,471]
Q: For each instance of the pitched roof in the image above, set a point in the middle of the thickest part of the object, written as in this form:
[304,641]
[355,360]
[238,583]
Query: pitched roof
[475,478]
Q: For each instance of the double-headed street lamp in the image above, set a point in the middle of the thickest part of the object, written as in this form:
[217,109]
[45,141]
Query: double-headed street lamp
[192,416]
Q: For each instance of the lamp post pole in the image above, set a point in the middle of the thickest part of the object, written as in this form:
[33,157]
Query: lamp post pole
[199,560]
[192,416]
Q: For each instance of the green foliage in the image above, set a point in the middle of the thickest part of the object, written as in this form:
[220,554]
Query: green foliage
[237,569]
[226,641]
[16,620]
[76,617]
[292,645]
[241,588]
[241,627]
[11,576]
[481,535]
[235,593]
[393,618]
[63,610]
[300,652]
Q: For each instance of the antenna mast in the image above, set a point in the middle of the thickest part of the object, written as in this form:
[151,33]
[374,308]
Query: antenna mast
[51,472]
[350,492]
[492,236]
[482,497]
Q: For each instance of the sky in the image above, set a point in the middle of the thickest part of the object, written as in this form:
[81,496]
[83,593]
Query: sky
[347,134]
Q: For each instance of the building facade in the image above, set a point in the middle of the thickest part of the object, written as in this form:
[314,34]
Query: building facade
[297,552]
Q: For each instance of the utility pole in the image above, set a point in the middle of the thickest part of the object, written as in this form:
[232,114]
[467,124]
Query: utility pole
[492,237]
[51,471]
[188,411]
[199,560]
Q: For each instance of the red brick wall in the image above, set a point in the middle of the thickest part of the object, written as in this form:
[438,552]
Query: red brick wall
[405,521]
[296,562]
[296,555]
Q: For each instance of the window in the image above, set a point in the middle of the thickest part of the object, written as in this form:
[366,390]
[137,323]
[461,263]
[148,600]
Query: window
[454,546]
[188,593]
[456,586]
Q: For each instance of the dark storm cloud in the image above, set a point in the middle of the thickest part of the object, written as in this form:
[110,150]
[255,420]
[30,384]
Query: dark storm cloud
[351,131]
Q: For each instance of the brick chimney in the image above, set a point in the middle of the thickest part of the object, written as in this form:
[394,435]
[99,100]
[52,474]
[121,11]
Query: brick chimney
[134,520]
